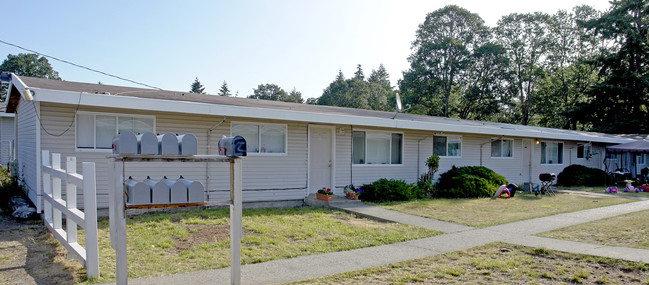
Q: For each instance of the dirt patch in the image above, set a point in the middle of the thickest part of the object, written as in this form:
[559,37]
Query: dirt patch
[198,234]
[30,255]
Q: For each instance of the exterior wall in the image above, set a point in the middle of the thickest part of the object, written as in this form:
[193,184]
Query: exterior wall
[7,136]
[26,148]
[266,178]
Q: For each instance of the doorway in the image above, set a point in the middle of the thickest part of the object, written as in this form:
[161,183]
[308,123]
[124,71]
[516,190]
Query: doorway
[321,158]
[526,161]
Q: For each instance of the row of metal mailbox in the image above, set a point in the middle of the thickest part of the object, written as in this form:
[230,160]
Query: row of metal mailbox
[149,143]
[164,191]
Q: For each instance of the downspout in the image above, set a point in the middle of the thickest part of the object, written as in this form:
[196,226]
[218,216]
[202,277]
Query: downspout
[207,164]
[351,159]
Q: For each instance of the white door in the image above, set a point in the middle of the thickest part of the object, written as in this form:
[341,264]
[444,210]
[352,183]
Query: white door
[526,161]
[320,158]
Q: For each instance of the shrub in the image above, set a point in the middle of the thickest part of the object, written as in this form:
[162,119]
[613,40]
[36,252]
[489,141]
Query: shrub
[8,188]
[579,175]
[468,182]
[384,190]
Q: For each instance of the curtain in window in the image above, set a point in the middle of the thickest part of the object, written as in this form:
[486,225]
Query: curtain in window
[439,145]
[378,148]
[273,138]
[105,131]
[358,147]
[397,147]
[250,133]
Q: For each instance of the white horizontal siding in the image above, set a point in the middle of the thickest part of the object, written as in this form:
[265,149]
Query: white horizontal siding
[26,149]
[7,135]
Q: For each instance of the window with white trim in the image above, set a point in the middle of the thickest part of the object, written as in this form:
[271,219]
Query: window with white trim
[584,151]
[447,146]
[551,153]
[377,148]
[502,147]
[95,131]
[640,159]
[262,138]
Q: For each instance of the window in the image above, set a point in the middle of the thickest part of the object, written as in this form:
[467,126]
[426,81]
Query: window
[584,151]
[96,131]
[640,159]
[611,156]
[447,145]
[377,148]
[551,153]
[262,138]
[502,148]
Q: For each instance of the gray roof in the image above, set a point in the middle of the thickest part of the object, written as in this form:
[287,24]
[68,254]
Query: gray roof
[449,123]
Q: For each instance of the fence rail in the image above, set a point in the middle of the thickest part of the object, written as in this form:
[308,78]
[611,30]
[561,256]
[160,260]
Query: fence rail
[55,207]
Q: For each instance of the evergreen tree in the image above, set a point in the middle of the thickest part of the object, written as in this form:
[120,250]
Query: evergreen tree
[197,87]
[224,91]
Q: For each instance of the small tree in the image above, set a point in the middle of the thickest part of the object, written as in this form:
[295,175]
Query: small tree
[197,87]
[224,91]
[433,165]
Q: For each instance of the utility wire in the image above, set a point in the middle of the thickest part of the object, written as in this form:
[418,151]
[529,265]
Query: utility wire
[80,66]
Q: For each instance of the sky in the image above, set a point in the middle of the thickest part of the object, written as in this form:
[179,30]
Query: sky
[295,44]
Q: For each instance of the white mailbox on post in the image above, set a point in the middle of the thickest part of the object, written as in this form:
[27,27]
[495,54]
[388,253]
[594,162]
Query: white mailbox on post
[178,190]
[125,143]
[147,143]
[196,191]
[187,144]
[159,191]
[138,193]
[168,144]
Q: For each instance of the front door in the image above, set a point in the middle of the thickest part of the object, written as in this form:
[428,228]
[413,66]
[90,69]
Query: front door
[526,161]
[320,157]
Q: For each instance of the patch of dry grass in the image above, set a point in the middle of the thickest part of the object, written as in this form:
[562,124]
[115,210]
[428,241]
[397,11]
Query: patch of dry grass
[486,212]
[499,263]
[630,230]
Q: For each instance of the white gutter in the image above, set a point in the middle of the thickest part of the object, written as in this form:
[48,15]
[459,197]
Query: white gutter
[134,103]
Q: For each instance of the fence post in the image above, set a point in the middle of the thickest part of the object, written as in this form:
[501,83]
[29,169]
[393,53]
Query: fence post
[71,199]
[90,211]
[117,218]
[47,185]
[56,191]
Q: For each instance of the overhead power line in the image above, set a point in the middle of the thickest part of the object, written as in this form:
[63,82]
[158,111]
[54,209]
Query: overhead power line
[80,66]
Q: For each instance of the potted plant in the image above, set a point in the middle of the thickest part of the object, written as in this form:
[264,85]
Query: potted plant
[352,193]
[324,194]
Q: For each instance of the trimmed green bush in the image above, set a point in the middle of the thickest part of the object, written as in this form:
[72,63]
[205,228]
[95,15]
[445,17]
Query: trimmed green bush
[384,190]
[579,175]
[468,182]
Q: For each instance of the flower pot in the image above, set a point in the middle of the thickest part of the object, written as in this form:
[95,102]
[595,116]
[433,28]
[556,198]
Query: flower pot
[324,197]
[351,196]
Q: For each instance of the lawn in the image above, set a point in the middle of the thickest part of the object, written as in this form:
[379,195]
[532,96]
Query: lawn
[168,243]
[499,263]
[630,230]
[486,212]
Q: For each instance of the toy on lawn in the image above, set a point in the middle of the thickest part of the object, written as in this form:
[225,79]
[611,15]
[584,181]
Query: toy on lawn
[611,189]
[536,189]
[629,187]
[644,188]
[502,192]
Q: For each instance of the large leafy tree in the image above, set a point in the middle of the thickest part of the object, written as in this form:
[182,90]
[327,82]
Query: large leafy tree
[525,36]
[441,57]
[569,75]
[375,93]
[197,87]
[29,64]
[273,92]
[620,102]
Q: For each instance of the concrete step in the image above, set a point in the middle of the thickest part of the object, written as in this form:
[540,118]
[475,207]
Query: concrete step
[312,201]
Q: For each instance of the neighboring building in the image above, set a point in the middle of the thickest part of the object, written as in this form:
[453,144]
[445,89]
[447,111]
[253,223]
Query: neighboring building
[294,149]
[7,135]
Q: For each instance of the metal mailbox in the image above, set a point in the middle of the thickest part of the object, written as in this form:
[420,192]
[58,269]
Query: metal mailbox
[187,144]
[147,143]
[232,146]
[178,190]
[138,193]
[168,144]
[159,191]
[196,191]
[125,143]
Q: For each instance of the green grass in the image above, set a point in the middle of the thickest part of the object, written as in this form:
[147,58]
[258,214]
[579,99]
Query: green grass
[498,263]
[486,212]
[163,243]
[630,230]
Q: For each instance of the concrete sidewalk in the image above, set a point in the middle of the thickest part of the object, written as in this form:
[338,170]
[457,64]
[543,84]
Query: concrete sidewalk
[458,237]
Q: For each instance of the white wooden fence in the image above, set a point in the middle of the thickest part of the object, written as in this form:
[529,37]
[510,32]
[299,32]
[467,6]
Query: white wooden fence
[55,207]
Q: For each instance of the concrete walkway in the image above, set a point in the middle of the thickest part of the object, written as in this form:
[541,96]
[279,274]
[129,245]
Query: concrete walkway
[457,237]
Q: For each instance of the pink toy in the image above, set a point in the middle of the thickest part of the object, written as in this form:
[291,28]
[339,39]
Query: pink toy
[629,187]
[612,189]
